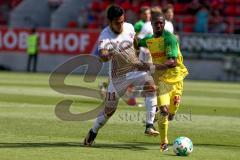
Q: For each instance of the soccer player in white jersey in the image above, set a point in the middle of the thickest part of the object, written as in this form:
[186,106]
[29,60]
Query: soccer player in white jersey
[146,29]
[116,46]
[169,14]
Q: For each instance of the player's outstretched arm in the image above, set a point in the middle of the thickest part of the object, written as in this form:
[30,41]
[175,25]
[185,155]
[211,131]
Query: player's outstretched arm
[170,63]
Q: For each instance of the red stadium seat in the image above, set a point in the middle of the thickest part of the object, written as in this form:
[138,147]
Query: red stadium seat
[237,13]
[230,10]
[126,5]
[188,28]
[96,6]
[237,24]
[189,19]
[230,1]
[93,25]
[179,8]
[72,24]
[230,21]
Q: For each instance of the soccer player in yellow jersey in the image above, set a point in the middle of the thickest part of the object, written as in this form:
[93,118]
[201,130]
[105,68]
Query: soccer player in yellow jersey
[168,72]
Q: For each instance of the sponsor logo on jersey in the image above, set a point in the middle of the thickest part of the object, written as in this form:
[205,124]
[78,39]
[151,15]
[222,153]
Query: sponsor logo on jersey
[158,54]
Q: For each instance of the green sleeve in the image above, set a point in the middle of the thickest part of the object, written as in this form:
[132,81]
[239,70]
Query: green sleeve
[171,45]
[138,26]
[143,42]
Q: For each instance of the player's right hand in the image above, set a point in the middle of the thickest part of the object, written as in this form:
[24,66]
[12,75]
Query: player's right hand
[142,66]
[105,55]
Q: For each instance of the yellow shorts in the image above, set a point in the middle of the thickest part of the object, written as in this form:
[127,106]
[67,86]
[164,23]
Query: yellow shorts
[172,97]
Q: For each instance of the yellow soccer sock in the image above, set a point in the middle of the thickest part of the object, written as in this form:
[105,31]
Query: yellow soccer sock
[163,128]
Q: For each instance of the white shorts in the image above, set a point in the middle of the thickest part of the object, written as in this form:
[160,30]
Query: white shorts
[118,87]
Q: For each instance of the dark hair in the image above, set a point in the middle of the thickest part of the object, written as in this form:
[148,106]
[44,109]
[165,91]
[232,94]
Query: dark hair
[114,11]
[168,7]
[155,15]
[143,9]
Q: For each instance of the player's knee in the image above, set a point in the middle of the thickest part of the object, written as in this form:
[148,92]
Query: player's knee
[149,87]
[109,111]
[176,100]
[164,111]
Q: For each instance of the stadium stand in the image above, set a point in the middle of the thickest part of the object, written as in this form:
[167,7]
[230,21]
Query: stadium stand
[67,14]
[89,14]
[26,14]
[185,13]
[5,7]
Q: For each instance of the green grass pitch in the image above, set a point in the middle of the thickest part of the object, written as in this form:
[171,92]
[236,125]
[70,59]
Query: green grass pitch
[29,130]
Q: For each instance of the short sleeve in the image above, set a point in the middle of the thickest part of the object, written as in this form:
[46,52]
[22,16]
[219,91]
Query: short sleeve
[171,45]
[146,29]
[138,26]
[143,42]
[103,41]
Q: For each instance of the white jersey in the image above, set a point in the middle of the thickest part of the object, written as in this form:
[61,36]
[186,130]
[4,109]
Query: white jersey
[123,58]
[146,29]
[169,26]
[144,54]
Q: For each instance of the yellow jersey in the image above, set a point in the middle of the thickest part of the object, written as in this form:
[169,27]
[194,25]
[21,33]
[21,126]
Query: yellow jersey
[161,49]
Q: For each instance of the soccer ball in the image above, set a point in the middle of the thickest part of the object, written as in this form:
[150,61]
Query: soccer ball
[182,146]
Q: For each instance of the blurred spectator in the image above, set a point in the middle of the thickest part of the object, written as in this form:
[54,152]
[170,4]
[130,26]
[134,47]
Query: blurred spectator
[91,17]
[193,7]
[154,3]
[147,27]
[82,19]
[169,14]
[191,15]
[96,6]
[217,4]
[54,4]
[202,16]
[131,16]
[145,16]
[131,10]
[145,3]
[217,23]
[164,3]
[32,50]
[135,6]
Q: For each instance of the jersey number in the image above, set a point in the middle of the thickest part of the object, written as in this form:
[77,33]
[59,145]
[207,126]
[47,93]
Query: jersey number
[111,96]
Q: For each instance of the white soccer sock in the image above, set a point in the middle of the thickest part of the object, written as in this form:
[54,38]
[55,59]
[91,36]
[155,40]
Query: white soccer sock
[151,103]
[100,122]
